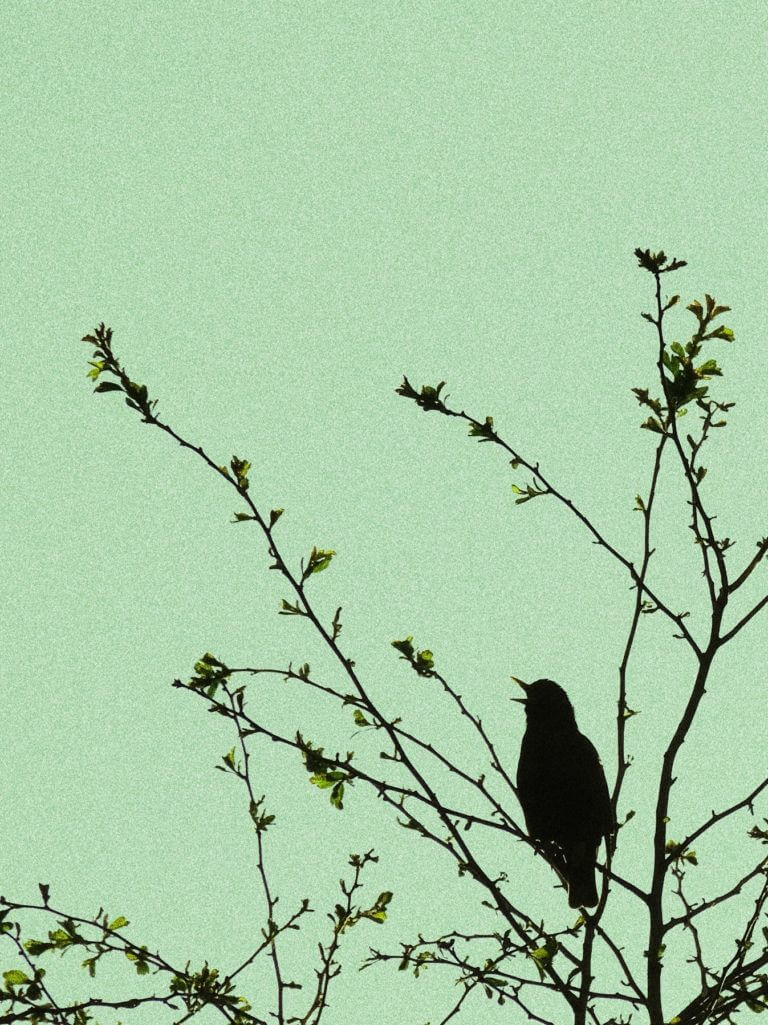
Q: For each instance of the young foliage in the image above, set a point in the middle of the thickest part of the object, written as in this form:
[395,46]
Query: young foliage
[523,961]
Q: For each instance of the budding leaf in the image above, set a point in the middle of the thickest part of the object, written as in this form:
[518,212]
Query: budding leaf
[405,647]
[319,560]
[108,386]
[482,431]
[15,977]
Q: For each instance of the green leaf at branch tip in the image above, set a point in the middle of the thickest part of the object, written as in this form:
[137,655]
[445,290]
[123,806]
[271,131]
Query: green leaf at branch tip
[286,609]
[642,396]
[484,432]
[274,516]
[319,559]
[326,779]
[207,666]
[708,369]
[334,781]
[359,718]
[542,956]
[15,978]
[428,398]
[424,662]
[210,673]
[241,517]
[721,332]
[639,504]
[377,912]
[531,491]
[676,851]
[138,392]
[261,820]
[759,834]
[696,309]
[406,389]
[655,262]
[108,386]
[118,923]
[652,424]
[209,660]
[33,947]
[240,468]
[314,760]
[405,647]
[322,771]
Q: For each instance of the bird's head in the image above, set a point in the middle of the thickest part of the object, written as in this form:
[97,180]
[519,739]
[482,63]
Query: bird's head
[545,701]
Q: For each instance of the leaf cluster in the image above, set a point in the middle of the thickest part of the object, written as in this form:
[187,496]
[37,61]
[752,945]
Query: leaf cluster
[204,988]
[422,661]
[105,363]
[655,262]
[324,772]
[428,398]
[210,673]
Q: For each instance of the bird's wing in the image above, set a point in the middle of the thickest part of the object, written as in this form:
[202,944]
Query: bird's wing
[596,786]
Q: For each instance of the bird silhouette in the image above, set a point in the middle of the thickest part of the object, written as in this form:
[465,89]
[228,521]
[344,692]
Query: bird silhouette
[562,788]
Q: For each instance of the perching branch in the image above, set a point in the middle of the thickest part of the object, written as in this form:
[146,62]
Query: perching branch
[415,796]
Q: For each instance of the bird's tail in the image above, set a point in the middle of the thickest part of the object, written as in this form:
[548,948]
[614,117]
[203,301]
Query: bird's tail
[580,862]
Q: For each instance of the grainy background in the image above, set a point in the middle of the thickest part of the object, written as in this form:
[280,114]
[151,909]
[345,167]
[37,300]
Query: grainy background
[280,209]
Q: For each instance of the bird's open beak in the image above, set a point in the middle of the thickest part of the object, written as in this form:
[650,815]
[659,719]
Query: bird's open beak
[525,686]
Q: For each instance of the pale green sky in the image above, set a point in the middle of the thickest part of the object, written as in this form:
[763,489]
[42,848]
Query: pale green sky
[280,209]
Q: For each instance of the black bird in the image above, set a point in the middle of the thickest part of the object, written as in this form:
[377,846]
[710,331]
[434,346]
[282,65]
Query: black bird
[562,788]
